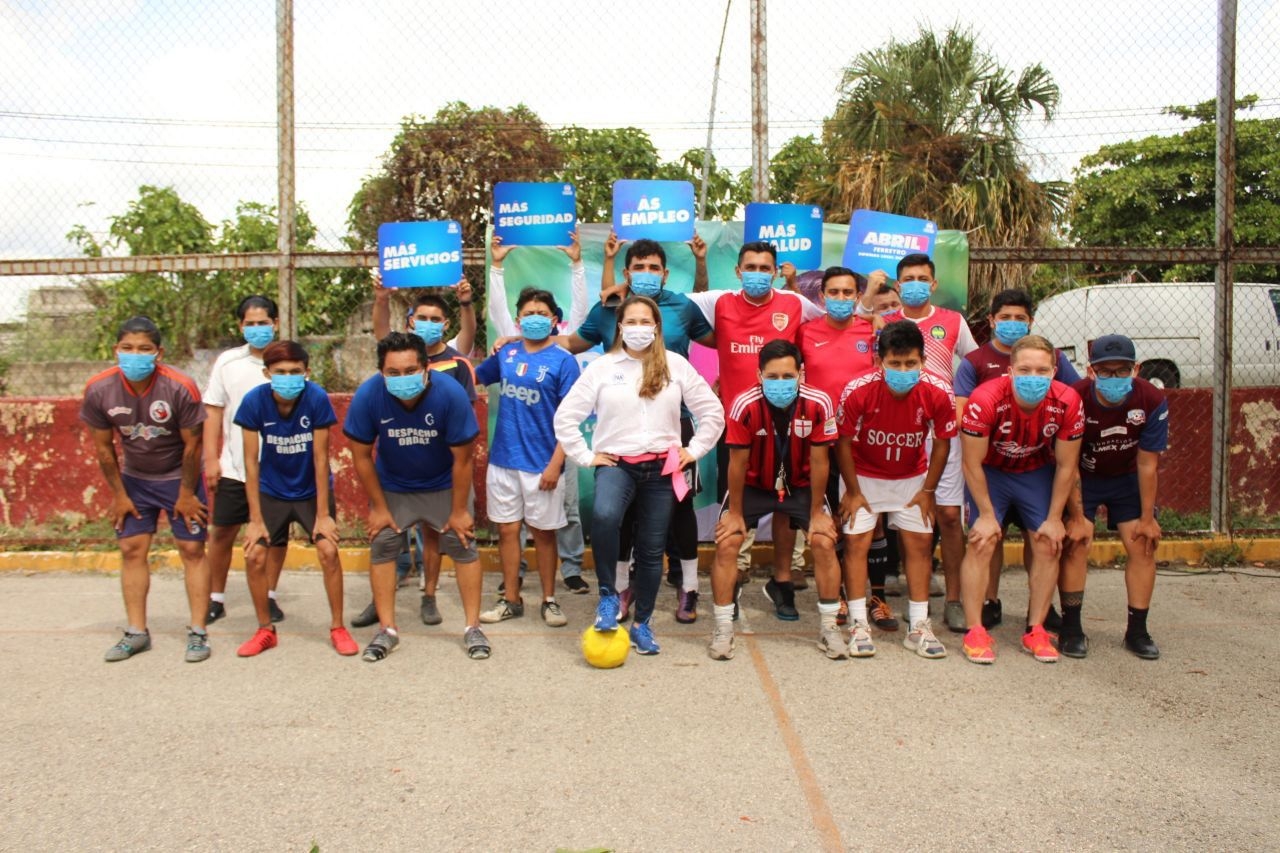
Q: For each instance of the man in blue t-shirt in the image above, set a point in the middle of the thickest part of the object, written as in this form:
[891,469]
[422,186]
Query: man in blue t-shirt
[524,482]
[285,429]
[425,430]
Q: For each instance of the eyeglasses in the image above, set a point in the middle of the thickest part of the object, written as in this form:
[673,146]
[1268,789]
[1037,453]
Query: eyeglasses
[1114,373]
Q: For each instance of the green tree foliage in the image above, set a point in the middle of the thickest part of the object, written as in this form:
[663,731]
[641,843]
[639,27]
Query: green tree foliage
[1160,191]
[195,309]
[445,168]
[930,128]
[797,170]
[596,157]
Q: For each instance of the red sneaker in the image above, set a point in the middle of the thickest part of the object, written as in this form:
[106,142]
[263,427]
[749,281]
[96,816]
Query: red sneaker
[978,645]
[342,642]
[1039,645]
[262,639]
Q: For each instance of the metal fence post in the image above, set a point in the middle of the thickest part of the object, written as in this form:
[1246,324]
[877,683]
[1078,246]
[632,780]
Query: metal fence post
[1224,276]
[286,234]
[759,105]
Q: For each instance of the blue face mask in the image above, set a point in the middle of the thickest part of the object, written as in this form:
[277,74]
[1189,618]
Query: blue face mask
[405,387]
[1032,389]
[901,381]
[429,330]
[646,284]
[757,284]
[288,385]
[136,366]
[535,327]
[781,392]
[1008,332]
[259,336]
[1114,389]
[916,293]
[839,309]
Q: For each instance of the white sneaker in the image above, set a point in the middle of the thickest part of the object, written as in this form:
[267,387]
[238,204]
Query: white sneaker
[721,647]
[831,641]
[860,643]
[921,640]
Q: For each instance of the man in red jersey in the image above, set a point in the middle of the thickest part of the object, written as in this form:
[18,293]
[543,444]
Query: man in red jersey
[885,419]
[1010,318]
[946,337]
[156,411]
[778,432]
[1021,445]
[1126,428]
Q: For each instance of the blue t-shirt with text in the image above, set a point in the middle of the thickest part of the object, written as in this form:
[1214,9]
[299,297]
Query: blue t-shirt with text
[530,388]
[286,443]
[413,446]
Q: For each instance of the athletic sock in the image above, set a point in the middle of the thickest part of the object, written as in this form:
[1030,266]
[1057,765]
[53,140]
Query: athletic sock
[271,593]
[916,611]
[622,581]
[857,610]
[220,597]
[133,630]
[878,564]
[1072,604]
[689,575]
[827,612]
[723,613]
[878,591]
[1137,621]
[392,631]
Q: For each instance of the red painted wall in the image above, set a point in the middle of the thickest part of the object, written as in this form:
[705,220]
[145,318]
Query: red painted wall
[47,466]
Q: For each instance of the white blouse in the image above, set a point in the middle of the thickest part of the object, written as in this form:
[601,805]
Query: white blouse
[626,423]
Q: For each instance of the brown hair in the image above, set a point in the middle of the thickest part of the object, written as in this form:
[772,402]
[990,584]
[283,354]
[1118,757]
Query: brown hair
[278,351]
[1031,342]
[656,375]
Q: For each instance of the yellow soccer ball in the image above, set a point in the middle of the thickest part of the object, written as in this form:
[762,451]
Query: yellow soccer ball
[605,649]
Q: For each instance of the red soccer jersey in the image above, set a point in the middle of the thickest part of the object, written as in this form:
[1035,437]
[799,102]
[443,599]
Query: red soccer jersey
[834,356]
[941,330]
[888,433]
[1113,435]
[1022,441]
[750,424]
[743,328]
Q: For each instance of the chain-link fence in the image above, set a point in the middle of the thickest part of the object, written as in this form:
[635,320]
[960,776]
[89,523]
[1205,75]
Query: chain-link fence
[142,166]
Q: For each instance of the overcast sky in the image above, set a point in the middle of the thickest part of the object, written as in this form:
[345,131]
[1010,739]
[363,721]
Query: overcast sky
[101,96]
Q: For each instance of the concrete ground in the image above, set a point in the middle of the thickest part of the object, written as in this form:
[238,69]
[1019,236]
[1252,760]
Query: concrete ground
[779,749]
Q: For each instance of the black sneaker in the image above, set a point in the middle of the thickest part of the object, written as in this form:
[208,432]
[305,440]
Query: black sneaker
[992,613]
[1073,645]
[367,617]
[674,575]
[216,611]
[576,585]
[737,593]
[783,599]
[880,614]
[277,615]
[1053,622]
[1142,645]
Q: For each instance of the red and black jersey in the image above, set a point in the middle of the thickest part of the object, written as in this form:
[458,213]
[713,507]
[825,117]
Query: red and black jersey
[1022,441]
[1113,435]
[753,423]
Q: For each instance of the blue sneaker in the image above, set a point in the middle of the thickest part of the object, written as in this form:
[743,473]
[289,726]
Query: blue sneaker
[642,639]
[607,613]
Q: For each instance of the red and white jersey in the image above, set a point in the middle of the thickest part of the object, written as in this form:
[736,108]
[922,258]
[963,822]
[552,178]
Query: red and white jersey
[753,423]
[743,328]
[834,356]
[888,433]
[1020,440]
[946,335]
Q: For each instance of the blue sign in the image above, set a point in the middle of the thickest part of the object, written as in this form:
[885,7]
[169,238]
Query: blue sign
[420,254]
[877,241]
[795,230]
[656,210]
[534,214]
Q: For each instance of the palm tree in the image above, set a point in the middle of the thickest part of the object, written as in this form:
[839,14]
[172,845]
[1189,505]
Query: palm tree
[930,128]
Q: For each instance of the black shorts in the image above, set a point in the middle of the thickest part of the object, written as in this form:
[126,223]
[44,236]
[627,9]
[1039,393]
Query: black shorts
[230,506]
[757,503]
[1120,495]
[278,515]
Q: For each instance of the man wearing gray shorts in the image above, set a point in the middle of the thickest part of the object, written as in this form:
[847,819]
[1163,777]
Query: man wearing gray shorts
[424,429]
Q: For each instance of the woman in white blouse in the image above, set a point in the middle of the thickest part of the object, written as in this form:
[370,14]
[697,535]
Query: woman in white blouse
[636,390]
